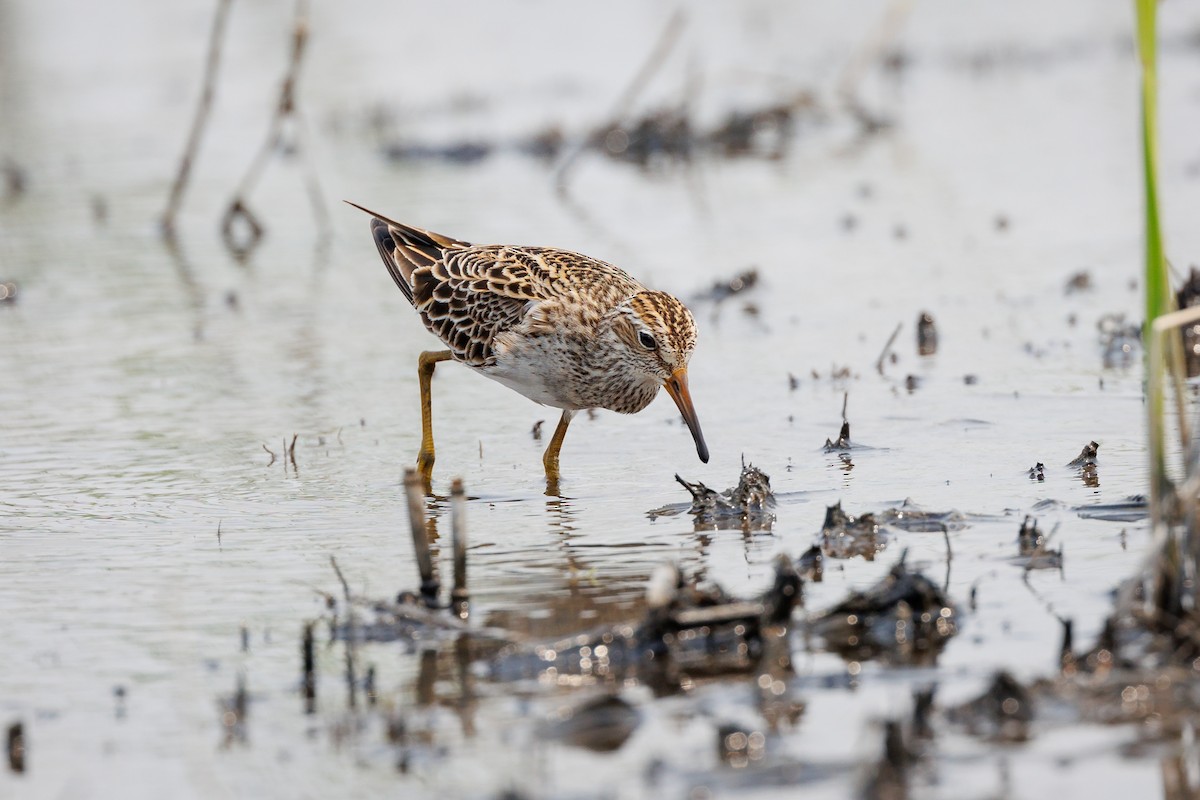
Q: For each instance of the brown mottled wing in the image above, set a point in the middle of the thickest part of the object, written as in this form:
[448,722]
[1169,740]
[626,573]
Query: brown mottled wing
[475,293]
[404,249]
[467,294]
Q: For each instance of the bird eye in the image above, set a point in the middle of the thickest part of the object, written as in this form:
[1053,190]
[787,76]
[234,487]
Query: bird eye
[647,341]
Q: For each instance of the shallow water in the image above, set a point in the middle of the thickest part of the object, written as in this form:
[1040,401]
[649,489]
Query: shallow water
[143,526]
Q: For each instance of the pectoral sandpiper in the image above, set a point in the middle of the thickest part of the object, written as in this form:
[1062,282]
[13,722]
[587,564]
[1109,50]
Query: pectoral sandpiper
[561,328]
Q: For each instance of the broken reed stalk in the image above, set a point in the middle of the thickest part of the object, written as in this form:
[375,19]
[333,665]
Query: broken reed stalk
[285,109]
[414,489]
[175,200]
[458,527]
[887,348]
[350,638]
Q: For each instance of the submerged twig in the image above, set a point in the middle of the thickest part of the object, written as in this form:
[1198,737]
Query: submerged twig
[167,221]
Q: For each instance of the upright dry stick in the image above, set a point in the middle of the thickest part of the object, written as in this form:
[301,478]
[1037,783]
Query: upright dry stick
[414,489]
[662,48]
[167,222]
[286,108]
[458,528]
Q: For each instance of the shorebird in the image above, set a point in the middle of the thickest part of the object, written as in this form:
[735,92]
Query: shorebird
[563,329]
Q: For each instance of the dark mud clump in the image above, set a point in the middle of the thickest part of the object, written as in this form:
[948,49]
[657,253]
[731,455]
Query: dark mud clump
[726,288]
[847,536]
[600,724]
[811,564]
[1086,457]
[842,443]
[905,618]
[1003,712]
[1037,472]
[747,506]
[1033,550]
[1086,463]
[688,629]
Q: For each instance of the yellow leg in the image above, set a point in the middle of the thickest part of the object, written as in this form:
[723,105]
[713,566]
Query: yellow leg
[425,366]
[550,459]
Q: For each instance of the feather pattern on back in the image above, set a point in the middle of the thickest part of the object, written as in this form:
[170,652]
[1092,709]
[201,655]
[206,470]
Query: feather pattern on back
[468,294]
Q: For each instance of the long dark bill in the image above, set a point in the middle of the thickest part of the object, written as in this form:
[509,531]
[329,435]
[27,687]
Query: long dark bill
[677,387]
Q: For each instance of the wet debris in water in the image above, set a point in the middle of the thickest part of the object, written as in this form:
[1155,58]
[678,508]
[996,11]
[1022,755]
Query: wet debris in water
[746,506]
[836,373]
[724,289]
[927,335]
[904,618]
[1186,296]
[462,153]
[8,292]
[1004,712]
[1079,282]
[545,145]
[536,431]
[233,714]
[1086,463]
[1030,538]
[1033,551]
[761,132]
[600,724]
[1037,472]
[15,180]
[908,516]
[845,536]
[1131,509]
[688,630]
[16,747]
[119,694]
[911,383]
[1120,341]
[1086,457]
[887,778]
[811,565]
[738,746]
[843,440]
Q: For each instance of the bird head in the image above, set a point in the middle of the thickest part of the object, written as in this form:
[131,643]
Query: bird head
[660,335]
